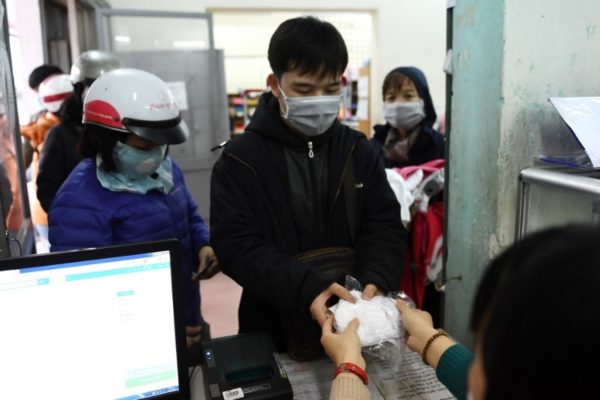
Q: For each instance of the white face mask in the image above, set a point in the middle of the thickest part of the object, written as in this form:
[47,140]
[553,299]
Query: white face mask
[404,115]
[311,115]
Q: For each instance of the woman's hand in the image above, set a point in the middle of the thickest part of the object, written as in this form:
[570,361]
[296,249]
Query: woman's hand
[342,347]
[419,329]
[418,325]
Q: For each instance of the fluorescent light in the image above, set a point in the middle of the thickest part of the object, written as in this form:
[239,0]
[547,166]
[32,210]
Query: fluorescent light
[122,39]
[186,44]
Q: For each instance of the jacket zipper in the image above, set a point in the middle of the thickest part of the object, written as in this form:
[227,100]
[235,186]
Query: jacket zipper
[311,154]
[318,209]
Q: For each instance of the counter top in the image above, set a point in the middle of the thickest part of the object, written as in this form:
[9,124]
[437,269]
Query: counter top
[408,379]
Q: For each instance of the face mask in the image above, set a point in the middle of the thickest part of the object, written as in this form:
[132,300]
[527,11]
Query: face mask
[311,115]
[404,115]
[135,163]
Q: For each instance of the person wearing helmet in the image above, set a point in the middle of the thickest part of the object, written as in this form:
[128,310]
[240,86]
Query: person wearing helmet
[37,127]
[52,92]
[59,155]
[36,77]
[39,75]
[127,189]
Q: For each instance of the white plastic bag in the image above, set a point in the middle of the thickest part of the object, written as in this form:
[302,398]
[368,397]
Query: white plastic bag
[380,327]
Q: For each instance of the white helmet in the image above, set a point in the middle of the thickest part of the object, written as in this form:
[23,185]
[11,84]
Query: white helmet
[131,100]
[54,90]
[91,64]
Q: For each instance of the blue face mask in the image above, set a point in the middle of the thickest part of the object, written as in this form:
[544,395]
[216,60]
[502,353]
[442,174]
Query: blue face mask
[138,171]
[135,163]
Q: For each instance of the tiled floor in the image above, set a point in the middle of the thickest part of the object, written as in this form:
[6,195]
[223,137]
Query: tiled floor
[220,300]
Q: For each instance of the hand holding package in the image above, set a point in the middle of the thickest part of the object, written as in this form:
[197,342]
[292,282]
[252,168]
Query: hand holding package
[379,318]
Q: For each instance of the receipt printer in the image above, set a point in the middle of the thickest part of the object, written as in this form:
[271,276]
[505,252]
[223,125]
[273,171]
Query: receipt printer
[244,366]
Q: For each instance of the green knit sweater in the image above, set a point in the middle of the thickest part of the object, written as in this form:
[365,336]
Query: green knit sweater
[453,368]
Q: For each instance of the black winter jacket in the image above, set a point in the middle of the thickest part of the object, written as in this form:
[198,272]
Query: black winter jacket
[59,157]
[428,146]
[255,232]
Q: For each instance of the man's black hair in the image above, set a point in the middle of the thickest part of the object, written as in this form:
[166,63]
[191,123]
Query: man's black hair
[39,74]
[309,46]
[535,315]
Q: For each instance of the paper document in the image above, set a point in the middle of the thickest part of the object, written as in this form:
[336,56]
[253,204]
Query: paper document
[412,380]
[582,115]
[312,380]
[448,62]
[179,93]
[363,86]
[362,110]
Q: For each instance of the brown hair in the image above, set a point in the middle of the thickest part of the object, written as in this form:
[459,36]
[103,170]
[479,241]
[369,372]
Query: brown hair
[394,81]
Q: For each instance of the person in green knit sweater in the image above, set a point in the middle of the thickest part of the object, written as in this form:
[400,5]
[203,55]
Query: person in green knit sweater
[535,309]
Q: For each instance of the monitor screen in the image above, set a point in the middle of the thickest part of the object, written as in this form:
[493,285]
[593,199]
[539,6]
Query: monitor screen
[93,324]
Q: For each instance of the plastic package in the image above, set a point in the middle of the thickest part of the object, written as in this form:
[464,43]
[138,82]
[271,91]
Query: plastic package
[379,318]
[380,330]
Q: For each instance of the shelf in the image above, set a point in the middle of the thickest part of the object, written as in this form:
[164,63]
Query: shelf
[241,107]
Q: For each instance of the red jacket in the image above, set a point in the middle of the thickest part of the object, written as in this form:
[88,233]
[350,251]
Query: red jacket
[425,244]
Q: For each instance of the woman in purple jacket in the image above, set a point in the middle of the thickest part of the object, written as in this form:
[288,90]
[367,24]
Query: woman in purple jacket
[127,189]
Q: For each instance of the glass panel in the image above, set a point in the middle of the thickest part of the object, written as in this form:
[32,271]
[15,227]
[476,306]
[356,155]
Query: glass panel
[13,197]
[135,33]
[178,50]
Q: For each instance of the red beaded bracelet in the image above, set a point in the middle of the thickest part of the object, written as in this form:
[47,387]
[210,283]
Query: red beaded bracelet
[355,369]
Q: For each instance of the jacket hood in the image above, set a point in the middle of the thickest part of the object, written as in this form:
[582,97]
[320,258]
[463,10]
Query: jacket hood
[418,77]
[267,121]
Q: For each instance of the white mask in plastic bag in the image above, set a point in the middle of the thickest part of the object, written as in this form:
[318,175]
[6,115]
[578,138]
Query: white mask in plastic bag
[379,318]
[311,115]
[404,115]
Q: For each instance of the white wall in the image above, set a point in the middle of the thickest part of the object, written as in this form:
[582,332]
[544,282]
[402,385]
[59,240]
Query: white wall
[550,63]
[407,32]
[244,36]
[26,51]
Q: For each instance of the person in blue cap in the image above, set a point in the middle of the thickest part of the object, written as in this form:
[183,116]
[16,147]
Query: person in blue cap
[408,137]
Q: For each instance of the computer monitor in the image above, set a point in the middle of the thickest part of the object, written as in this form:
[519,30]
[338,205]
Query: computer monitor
[103,323]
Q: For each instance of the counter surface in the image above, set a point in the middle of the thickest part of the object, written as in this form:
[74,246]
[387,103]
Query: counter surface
[409,379]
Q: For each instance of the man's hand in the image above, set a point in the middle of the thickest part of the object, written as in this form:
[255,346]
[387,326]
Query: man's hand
[209,265]
[371,291]
[193,336]
[318,308]
[342,347]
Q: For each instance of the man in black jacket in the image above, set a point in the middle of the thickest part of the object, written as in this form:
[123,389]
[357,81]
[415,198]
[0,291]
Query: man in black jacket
[298,181]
